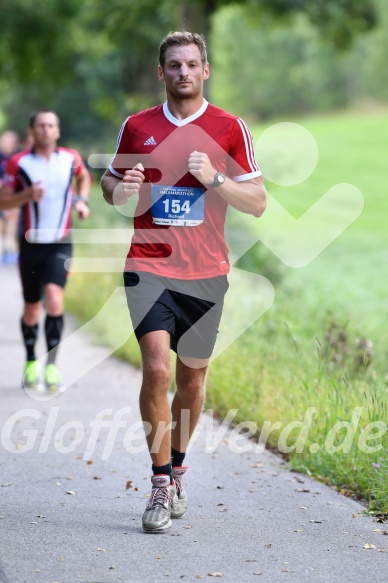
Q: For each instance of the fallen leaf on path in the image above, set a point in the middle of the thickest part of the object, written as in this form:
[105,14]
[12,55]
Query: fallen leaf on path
[369,546]
[382,550]
[316,521]
[302,490]
[41,516]
[344,492]
[70,492]
[355,515]
[101,550]
[258,573]
[128,484]
[7,484]
[89,462]
[215,574]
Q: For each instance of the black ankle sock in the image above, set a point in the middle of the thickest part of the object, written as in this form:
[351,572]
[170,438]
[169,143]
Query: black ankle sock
[177,457]
[167,470]
[30,335]
[53,329]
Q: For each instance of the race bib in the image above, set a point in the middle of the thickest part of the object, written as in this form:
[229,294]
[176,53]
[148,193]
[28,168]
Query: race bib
[178,206]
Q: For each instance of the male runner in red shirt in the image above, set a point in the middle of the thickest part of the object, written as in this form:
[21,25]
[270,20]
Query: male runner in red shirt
[187,160]
[40,182]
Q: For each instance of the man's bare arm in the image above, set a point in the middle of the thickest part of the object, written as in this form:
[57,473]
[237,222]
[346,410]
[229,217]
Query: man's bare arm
[117,191]
[83,188]
[9,199]
[248,196]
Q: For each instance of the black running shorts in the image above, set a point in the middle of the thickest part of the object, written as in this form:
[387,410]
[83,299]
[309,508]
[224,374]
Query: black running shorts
[189,310]
[42,263]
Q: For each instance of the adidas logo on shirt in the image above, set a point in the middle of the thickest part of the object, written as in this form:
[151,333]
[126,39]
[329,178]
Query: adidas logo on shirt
[150,141]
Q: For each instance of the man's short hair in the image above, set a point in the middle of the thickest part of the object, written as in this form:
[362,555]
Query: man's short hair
[34,115]
[182,38]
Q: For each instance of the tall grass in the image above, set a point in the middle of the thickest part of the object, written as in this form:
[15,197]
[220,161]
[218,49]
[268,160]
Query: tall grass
[322,343]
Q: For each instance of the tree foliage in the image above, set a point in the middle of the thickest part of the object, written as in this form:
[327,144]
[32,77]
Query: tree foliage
[95,61]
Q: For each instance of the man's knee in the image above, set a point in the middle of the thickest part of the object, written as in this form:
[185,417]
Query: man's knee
[156,375]
[31,313]
[191,387]
[54,299]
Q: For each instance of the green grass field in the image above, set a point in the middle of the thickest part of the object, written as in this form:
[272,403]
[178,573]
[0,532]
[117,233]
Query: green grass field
[322,343]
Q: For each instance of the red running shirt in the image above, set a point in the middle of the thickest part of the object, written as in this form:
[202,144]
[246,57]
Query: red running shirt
[163,145]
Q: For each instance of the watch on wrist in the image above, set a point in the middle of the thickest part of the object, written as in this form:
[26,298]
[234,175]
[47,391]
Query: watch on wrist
[218,180]
[78,198]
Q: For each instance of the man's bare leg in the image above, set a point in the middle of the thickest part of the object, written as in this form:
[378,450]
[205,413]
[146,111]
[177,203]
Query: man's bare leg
[188,402]
[155,410]
[154,406]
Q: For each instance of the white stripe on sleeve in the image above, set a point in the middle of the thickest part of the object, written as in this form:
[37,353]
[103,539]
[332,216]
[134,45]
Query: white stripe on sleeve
[117,147]
[248,145]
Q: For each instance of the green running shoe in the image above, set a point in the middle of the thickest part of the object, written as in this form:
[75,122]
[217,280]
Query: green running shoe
[52,378]
[31,375]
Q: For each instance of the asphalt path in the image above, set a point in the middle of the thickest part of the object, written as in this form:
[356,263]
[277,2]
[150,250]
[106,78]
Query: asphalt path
[75,474]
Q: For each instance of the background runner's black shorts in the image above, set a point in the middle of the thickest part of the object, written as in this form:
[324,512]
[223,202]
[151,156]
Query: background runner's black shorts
[189,310]
[42,263]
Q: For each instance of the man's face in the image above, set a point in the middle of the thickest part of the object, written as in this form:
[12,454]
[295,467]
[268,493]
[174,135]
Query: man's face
[45,130]
[183,72]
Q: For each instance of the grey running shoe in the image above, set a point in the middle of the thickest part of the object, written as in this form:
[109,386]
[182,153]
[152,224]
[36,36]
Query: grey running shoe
[179,505]
[156,517]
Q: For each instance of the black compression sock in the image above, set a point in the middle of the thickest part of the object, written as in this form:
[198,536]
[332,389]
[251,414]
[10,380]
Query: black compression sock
[177,458]
[30,335]
[167,470]
[53,329]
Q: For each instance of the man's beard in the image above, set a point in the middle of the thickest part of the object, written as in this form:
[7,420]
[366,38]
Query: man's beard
[195,91]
